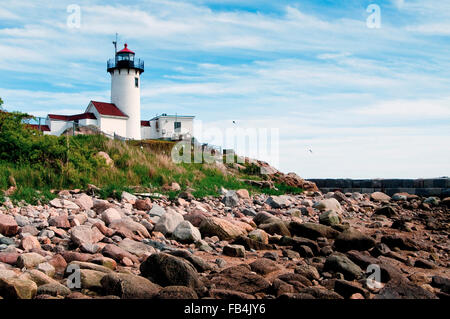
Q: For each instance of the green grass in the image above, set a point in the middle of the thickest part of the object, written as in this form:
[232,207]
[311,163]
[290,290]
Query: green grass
[32,196]
[37,164]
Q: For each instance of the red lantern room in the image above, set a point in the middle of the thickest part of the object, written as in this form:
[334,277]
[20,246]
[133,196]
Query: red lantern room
[125,59]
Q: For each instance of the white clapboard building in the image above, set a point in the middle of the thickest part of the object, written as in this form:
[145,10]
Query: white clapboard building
[122,116]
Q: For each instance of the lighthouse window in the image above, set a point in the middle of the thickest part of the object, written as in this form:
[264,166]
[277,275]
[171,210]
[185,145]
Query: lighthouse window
[136,82]
[177,125]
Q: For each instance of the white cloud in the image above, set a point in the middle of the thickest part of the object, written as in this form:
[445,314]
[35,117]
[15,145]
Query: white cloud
[330,84]
[438,109]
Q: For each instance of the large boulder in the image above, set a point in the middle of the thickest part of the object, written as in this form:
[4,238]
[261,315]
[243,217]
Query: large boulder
[61,221]
[15,288]
[312,230]
[110,215]
[128,286]
[328,204]
[277,227]
[340,263]
[264,266]
[157,210]
[185,232]
[278,201]
[84,202]
[63,203]
[91,279]
[29,260]
[243,193]
[168,222]
[234,250]
[199,264]
[137,248]
[8,225]
[225,230]
[118,254]
[143,204]
[352,239]
[29,243]
[86,265]
[240,278]
[329,218]
[259,235]
[387,211]
[380,197]
[264,218]
[126,227]
[84,234]
[250,243]
[404,243]
[168,270]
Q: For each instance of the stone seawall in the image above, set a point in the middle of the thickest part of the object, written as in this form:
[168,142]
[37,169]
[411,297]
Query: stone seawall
[423,187]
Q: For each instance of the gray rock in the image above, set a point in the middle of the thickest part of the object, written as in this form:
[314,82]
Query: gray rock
[231,199]
[157,210]
[329,218]
[22,220]
[249,212]
[234,250]
[168,222]
[137,248]
[340,263]
[185,232]
[278,201]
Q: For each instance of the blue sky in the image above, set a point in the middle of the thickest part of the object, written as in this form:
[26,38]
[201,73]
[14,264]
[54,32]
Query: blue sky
[368,102]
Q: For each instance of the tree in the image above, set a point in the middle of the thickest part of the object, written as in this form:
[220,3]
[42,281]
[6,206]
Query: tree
[1,103]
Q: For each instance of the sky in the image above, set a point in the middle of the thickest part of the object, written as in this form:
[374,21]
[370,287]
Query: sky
[348,100]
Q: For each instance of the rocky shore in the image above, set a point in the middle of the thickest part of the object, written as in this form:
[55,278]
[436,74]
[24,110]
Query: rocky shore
[235,246]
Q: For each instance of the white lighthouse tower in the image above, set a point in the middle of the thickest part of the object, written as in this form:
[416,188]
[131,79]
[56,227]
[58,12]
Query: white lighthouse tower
[125,72]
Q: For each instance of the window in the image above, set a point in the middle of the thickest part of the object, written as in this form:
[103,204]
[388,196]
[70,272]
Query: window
[177,125]
[136,82]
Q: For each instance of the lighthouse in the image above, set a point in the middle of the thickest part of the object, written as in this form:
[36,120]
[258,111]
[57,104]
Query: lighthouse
[121,118]
[126,70]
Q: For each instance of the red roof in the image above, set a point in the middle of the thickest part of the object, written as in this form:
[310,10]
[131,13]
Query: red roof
[44,128]
[126,50]
[72,117]
[145,123]
[108,109]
